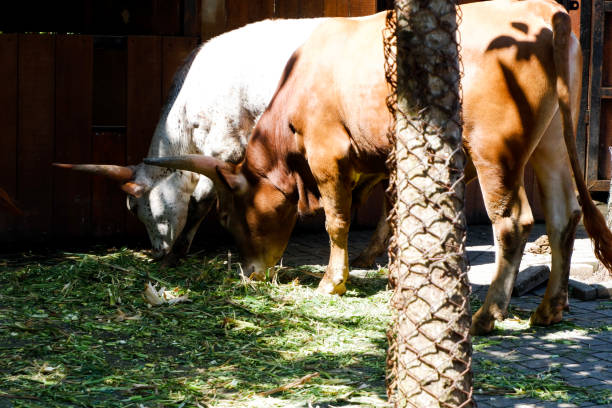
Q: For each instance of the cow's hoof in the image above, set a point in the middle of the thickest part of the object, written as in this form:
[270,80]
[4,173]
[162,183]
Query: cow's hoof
[363,260]
[482,323]
[543,316]
[327,287]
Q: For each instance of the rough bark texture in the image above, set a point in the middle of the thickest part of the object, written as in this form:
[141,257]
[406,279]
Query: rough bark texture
[430,349]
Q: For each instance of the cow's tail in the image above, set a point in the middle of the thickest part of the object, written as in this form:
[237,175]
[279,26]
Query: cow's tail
[594,222]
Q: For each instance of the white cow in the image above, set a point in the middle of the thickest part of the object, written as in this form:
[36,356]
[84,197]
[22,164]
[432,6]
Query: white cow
[217,96]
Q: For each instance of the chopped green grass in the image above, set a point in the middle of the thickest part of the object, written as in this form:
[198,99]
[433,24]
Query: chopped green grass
[75,331]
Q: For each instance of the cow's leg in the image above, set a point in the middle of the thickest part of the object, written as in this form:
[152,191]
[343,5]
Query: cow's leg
[512,220]
[329,163]
[562,213]
[336,201]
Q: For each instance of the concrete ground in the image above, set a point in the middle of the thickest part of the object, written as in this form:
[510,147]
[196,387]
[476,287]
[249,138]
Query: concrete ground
[577,352]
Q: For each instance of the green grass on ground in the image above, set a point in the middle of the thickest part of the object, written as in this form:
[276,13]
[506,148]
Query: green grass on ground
[75,330]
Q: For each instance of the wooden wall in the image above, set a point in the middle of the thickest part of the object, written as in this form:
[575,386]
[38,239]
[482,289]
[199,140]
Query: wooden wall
[77,98]
[108,17]
[219,16]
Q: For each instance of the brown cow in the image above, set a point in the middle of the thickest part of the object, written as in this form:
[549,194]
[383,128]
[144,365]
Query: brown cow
[323,137]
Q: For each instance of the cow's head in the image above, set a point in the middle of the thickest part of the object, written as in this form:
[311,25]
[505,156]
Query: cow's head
[259,215]
[158,197]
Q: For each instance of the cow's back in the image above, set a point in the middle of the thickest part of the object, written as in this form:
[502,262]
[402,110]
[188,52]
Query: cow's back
[342,83]
[509,74]
[509,78]
[226,87]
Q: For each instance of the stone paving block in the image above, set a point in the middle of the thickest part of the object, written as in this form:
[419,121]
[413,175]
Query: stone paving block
[536,364]
[582,290]
[585,382]
[530,278]
[607,356]
[604,289]
[600,348]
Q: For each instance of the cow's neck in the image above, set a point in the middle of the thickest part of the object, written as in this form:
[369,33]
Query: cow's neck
[272,155]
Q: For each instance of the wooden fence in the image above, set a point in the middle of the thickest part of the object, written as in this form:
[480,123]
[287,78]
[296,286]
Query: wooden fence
[77,98]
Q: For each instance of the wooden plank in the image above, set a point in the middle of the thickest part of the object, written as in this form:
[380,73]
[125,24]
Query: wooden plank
[108,207]
[475,210]
[575,18]
[174,52]
[330,8]
[237,14]
[261,10]
[8,129]
[110,81]
[167,17]
[288,8]
[606,78]
[583,118]
[311,8]
[73,115]
[35,145]
[369,212]
[599,185]
[343,8]
[192,18]
[144,92]
[605,141]
[606,93]
[144,79]
[213,18]
[362,7]
[595,105]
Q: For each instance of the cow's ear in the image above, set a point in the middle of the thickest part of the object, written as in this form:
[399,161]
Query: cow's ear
[134,189]
[235,182]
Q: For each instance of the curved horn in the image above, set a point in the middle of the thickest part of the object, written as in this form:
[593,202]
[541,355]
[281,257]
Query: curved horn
[220,172]
[117,173]
[192,162]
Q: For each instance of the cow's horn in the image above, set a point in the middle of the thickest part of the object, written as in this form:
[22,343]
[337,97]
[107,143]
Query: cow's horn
[220,172]
[192,162]
[117,173]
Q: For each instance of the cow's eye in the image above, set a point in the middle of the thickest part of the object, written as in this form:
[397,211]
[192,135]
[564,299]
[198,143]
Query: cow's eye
[224,219]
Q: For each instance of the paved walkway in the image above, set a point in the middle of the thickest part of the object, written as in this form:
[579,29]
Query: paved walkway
[577,352]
